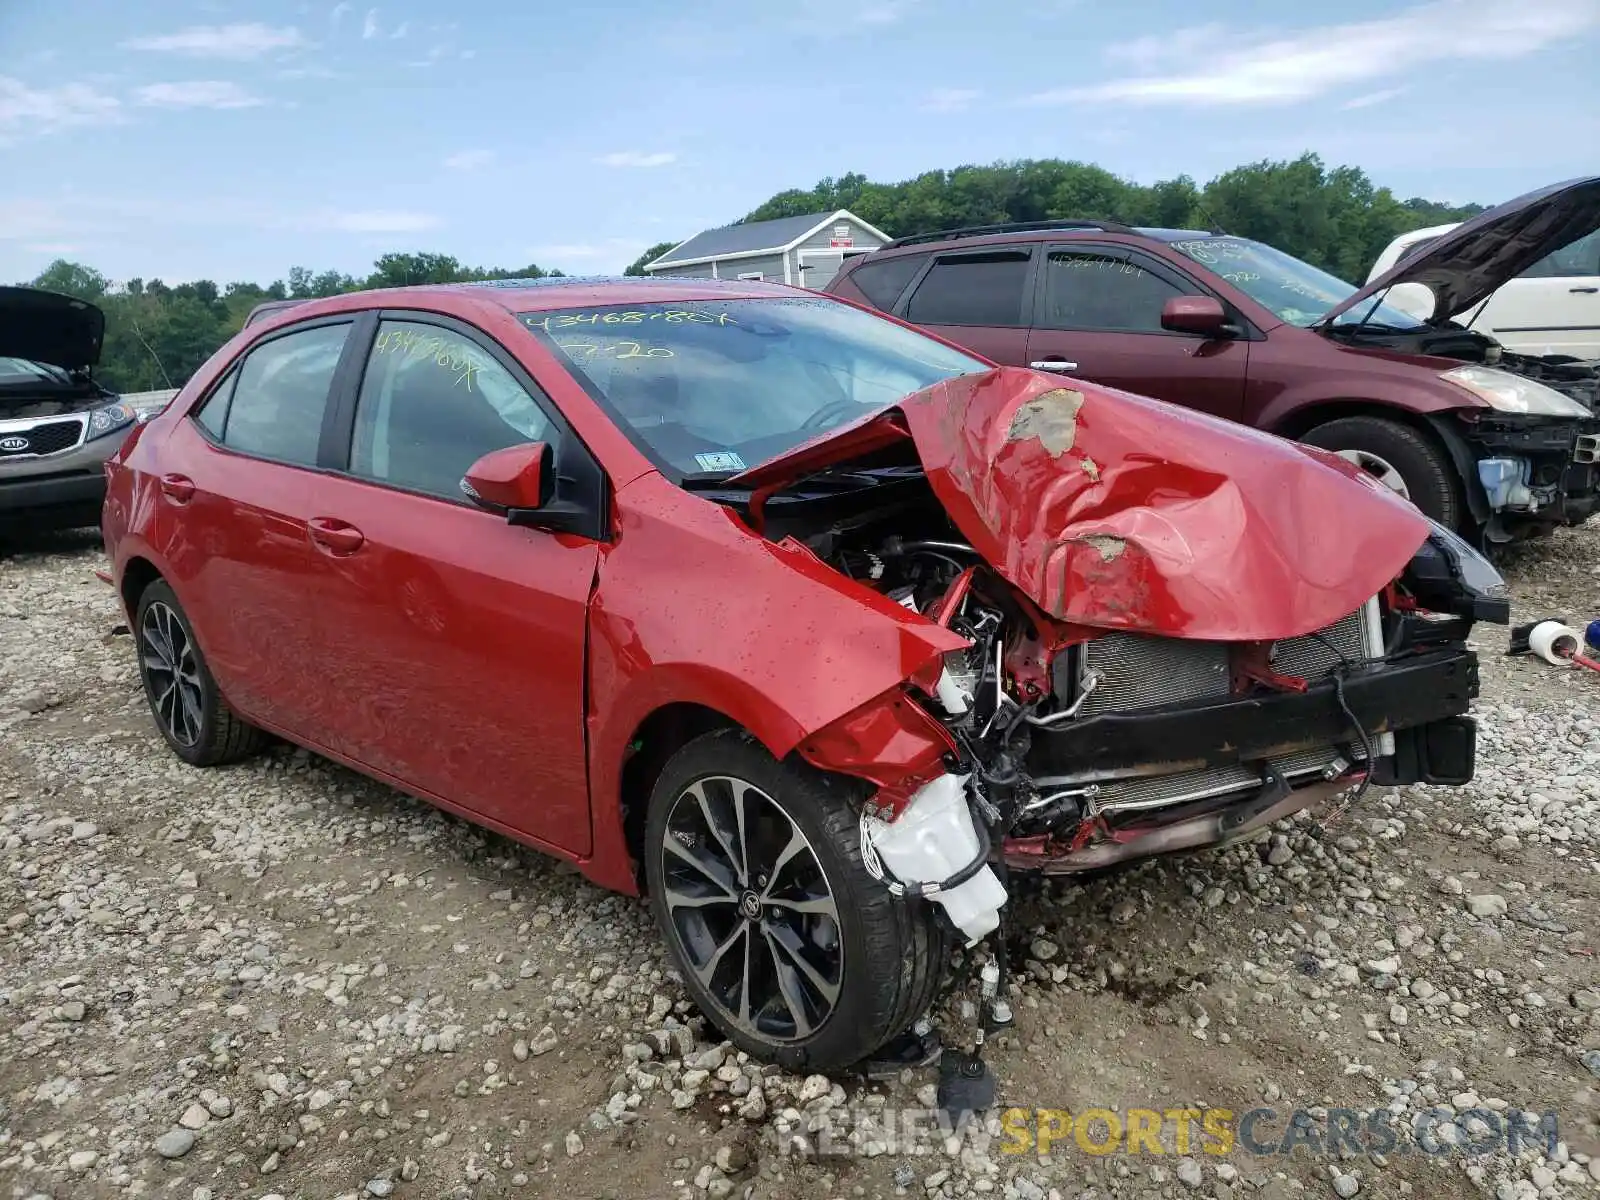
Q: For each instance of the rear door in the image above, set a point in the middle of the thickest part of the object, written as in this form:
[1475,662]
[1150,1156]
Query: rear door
[1098,317]
[454,640]
[237,541]
[979,298]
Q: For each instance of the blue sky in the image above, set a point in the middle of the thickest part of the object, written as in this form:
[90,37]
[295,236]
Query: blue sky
[233,139]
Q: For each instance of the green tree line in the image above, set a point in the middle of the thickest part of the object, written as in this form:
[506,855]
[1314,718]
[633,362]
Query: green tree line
[1335,218]
[157,333]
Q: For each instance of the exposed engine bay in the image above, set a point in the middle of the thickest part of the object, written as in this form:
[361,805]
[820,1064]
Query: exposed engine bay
[1081,747]
[32,390]
[1537,471]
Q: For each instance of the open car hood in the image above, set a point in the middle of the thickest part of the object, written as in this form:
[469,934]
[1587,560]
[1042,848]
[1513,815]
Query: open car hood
[47,327]
[1116,511]
[1466,265]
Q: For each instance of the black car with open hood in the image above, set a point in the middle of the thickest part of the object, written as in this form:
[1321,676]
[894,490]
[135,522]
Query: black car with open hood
[47,327]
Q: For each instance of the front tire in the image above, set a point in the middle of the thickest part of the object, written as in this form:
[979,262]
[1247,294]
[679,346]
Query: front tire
[184,699]
[784,941]
[1404,459]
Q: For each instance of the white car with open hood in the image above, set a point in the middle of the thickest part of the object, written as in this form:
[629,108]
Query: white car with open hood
[1551,307]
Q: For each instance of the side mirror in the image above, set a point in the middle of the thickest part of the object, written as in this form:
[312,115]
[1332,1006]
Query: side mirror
[1203,315]
[517,480]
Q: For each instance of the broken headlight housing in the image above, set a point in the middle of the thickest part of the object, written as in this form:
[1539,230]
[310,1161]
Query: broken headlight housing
[1447,573]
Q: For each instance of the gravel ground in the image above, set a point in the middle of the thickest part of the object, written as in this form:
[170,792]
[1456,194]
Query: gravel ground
[280,979]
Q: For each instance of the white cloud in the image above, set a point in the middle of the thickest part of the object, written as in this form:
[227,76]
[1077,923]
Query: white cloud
[243,41]
[52,247]
[469,160]
[337,14]
[196,93]
[369,27]
[24,109]
[1372,98]
[950,99]
[401,29]
[376,221]
[308,72]
[634,158]
[1244,67]
[615,249]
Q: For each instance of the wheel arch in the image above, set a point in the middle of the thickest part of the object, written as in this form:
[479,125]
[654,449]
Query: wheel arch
[138,573]
[649,748]
[1439,428]
[1301,421]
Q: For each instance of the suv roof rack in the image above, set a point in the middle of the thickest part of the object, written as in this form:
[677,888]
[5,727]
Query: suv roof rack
[943,235]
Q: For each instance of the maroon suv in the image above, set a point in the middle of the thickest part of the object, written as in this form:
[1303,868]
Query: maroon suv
[1500,444]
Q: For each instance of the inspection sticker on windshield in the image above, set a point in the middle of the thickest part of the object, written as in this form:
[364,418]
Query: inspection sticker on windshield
[720,460]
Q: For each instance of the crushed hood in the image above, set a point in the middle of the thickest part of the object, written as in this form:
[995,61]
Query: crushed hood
[1121,512]
[47,327]
[1465,266]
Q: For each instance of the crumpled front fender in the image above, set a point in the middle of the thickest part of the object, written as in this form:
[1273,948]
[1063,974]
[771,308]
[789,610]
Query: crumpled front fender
[692,606]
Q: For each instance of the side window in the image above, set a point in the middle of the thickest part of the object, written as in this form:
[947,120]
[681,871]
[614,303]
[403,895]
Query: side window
[434,402]
[1576,259]
[1085,289]
[281,394]
[882,282]
[973,289]
[213,414]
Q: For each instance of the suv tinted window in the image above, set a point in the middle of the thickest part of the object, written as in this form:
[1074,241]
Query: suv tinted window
[281,395]
[882,282]
[1579,258]
[432,403]
[974,289]
[1085,289]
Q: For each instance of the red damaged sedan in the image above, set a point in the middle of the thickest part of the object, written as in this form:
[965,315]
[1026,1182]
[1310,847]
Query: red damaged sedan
[808,625]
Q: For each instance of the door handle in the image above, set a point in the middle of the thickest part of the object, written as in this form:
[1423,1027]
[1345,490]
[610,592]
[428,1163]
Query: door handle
[1053,364]
[1587,290]
[177,488]
[335,536]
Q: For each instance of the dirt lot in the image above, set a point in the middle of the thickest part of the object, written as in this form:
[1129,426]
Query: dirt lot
[280,979]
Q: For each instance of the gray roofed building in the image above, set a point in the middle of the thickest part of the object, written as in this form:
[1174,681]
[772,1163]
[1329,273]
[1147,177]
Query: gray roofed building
[806,251]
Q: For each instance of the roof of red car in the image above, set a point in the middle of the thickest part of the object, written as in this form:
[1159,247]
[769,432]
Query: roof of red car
[528,295]
[524,295]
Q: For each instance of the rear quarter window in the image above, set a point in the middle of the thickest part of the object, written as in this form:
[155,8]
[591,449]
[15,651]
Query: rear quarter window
[973,289]
[882,281]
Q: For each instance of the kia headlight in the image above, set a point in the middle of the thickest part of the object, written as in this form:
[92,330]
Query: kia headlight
[147,409]
[110,418]
[1513,394]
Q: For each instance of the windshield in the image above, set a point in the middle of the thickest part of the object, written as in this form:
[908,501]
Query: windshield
[709,388]
[19,371]
[1295,291]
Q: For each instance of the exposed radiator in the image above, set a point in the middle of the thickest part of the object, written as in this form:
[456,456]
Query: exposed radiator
[1139,671]
[1142,671]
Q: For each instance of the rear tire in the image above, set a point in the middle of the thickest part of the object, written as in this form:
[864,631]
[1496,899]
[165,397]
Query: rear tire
[875,962]
[184,699]
[1382,446]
